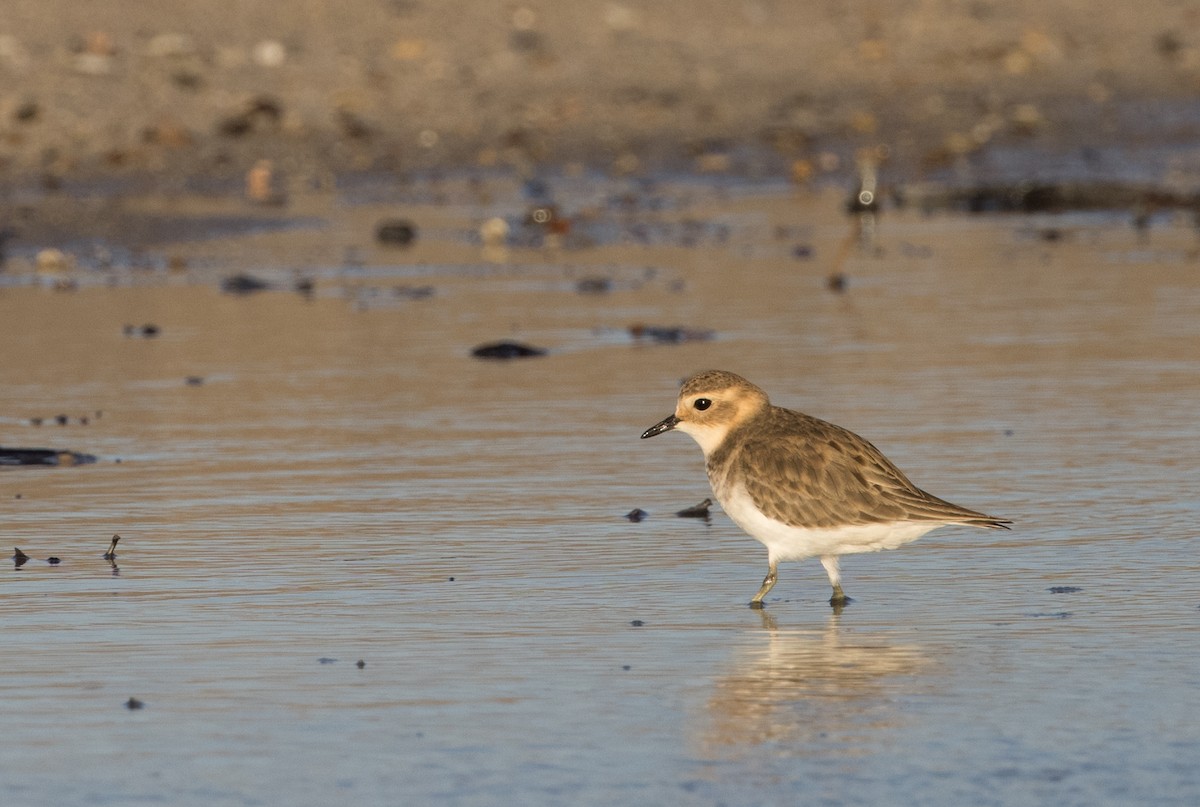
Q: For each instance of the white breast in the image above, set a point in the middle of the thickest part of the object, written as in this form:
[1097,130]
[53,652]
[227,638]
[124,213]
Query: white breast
[793,543]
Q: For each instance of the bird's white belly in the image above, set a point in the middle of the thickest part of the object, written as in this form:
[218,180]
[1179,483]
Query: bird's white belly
[784,542]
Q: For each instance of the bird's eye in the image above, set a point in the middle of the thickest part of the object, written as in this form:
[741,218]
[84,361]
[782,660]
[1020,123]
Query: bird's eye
[702,404]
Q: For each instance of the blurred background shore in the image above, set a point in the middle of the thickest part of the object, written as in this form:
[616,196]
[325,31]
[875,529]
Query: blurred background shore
[175,91]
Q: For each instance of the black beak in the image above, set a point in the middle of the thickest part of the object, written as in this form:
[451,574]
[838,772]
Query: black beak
[664,425]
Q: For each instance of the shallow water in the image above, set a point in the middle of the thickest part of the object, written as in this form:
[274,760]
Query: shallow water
[348,484]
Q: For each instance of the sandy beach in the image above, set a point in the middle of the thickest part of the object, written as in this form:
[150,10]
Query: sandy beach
[172,91]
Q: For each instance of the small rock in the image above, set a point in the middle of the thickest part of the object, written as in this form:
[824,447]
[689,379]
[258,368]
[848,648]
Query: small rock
[243,284]
[668,335]
[414,292]
[52,260]
[594,285]
[53,561]
[360,664]
[506,350]
[134,703]
[636,514]
[396,232]
[261,183]
[27,112]
[637,623]
[269,53]
[696,511]
[494,232]
[353,125]
[42,456]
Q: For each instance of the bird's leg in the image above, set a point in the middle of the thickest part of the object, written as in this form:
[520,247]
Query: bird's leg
[767,584]
[839,598]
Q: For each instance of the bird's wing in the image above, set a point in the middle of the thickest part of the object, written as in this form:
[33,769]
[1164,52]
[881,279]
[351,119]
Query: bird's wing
[820,475]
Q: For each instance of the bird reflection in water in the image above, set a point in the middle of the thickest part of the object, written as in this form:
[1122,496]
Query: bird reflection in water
[811,689]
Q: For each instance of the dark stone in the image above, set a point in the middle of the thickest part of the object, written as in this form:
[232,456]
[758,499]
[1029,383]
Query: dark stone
[42,456]
[414,292]
[594,285]
[636,514]
[697,511]
[27,112]
[506,350]
[238,125]
[243,284]
[802,252]
[396,232]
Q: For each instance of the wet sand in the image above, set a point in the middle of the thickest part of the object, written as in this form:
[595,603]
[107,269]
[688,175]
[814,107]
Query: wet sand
[346,482]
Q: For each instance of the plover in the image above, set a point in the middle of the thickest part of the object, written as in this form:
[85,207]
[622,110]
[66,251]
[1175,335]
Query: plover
[802,486]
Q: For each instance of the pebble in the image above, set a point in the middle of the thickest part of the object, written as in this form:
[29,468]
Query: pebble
[261,184]
[269,53]
[414,292]
[594,285]
[243,284]
[696,511]
[506,350]
[494,232]
[51,260]
[668,335]
[396,232]
[636,514]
